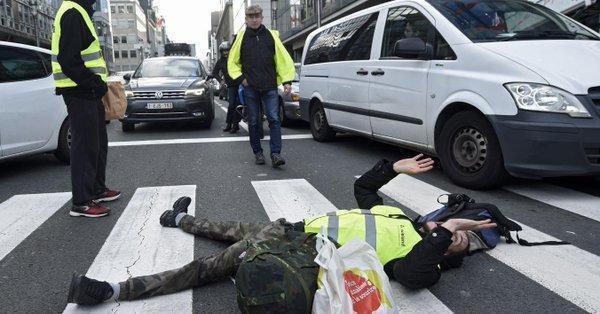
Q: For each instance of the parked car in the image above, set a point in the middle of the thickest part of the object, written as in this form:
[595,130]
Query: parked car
[492,87]
[120,77]
[169,89]
[290,104]
[32,118]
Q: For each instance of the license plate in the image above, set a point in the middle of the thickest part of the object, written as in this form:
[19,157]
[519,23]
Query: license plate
[160,105]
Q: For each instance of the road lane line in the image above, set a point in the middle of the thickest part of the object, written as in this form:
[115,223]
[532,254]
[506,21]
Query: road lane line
[23,214]
[202,140]
[573,201]
[243,124]
[297,199]
[546,265]
[139,245]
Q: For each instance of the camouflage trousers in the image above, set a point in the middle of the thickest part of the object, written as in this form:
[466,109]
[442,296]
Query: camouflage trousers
[206,269]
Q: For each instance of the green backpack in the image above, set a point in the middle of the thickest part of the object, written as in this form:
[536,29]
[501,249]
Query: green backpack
[278,275]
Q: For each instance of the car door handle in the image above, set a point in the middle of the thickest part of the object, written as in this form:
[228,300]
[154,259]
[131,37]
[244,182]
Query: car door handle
[378,72]
[362,72]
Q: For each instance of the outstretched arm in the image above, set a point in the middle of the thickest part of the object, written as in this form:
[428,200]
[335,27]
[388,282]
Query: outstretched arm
[366,187]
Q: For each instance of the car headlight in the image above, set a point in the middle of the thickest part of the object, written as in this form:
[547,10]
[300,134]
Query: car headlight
[538,97]
[128,94]
[195,92]
[295,97]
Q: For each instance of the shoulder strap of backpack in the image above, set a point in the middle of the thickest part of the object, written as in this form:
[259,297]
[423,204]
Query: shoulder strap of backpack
[523,242]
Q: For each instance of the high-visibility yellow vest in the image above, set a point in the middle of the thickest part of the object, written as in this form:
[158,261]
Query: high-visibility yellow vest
[91,56]
[385,228]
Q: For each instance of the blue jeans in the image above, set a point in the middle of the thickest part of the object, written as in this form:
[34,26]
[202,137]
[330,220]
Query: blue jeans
[270,101]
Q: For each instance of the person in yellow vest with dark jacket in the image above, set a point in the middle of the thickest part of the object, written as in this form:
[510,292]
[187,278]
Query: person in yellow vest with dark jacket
[80,75]
[412,257]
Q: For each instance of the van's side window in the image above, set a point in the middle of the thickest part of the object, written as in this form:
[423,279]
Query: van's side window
[408,22]
[18,64]
[349,40]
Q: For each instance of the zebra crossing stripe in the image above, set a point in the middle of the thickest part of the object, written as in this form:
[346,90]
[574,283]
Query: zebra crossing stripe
[546,265]
[573,201]
[139,245]
[22,214]
[297,199]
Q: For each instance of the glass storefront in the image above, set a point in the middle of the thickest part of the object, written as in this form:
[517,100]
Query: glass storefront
[292,16]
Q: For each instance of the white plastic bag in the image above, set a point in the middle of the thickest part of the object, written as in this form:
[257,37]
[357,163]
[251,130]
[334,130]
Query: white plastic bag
[351,280]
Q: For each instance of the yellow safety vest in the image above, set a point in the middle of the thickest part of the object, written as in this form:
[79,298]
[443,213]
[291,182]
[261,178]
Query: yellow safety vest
[385,228]
[91,56]
[284,64]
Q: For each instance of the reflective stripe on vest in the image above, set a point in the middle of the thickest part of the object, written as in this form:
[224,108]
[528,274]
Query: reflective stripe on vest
[91,56]
[382,227]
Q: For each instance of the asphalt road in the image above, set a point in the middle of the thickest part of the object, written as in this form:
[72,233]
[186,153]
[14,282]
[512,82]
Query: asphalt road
[34,276]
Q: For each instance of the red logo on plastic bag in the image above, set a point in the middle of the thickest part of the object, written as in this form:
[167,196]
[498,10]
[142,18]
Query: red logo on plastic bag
[364,294]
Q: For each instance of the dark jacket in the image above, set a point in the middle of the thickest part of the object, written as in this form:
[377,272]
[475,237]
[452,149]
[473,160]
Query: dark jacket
[418,269]
[76,37]
[221,69]
[258,59]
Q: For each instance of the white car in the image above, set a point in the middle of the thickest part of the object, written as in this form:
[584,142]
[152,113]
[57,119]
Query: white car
[32,118]
[492,87]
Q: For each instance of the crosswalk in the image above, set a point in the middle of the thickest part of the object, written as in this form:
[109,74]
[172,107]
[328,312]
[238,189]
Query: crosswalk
[138,245]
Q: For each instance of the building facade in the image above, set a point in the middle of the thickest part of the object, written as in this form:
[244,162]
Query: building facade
[129,34]
[102,22]
[27,21]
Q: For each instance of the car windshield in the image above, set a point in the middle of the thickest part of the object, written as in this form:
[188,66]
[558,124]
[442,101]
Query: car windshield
[503,20]
[169,68]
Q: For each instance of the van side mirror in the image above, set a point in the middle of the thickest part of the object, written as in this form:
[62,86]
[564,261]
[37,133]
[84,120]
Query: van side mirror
[410,48]
[127,77]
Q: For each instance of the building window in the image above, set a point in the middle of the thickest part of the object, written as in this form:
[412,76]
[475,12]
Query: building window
[133,54]
[124,39]
[112,9]
[121,9]
[116,55]
[115,39]
[130,9]
[124,54]
[130,24]
[132,39]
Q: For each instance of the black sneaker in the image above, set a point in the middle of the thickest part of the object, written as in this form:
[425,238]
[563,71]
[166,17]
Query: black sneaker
[234,128]
[167,219]
[227,127]
[277,160]
[259,159]
[86,291]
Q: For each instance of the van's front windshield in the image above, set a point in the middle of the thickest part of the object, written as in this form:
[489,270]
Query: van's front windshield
[503,20]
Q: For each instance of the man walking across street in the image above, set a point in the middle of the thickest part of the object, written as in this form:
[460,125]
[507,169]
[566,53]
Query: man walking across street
[80,77]
[260,62]
[221,74]
[413,259]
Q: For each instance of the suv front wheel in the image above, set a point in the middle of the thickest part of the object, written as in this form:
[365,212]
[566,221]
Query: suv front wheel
[470,153]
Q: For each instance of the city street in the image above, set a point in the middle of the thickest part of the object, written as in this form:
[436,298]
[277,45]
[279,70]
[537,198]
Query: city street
[156,164]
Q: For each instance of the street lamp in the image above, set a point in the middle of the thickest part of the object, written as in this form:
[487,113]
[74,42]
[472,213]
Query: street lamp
[34,4]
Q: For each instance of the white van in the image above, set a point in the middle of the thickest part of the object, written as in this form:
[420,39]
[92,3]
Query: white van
[32,118]
[492,87]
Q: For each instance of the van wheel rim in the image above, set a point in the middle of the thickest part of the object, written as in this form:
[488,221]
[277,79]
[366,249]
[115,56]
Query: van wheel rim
[470,149]
[319,119]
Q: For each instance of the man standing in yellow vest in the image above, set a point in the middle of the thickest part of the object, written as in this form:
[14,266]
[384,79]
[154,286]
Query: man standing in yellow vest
[80,75]
[415,258]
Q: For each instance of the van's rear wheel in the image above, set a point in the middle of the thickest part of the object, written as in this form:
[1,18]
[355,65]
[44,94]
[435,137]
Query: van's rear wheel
[319,127]
[470,152]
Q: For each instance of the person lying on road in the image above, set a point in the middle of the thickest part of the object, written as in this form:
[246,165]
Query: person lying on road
[412,257]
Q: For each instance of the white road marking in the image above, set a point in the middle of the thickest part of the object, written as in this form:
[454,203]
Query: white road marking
[139,245]
[297,199]
[202,140]
[576,202]
[570,272]
[243,124]
[23,214]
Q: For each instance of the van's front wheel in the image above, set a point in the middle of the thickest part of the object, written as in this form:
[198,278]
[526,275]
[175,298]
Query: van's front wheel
[470,152]
[319,127]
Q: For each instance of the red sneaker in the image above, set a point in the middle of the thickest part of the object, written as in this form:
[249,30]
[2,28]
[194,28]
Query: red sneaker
[107,196]
[91,210]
